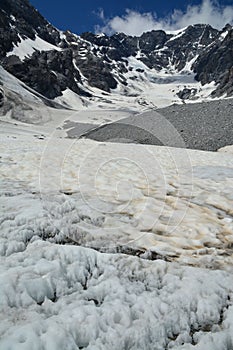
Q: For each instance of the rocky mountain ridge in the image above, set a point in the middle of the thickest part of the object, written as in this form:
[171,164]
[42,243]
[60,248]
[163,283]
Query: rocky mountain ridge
[50,61]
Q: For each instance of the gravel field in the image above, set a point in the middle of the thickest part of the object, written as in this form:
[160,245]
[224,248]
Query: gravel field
[204,126]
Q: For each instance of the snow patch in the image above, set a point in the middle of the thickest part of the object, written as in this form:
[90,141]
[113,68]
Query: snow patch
[26,47]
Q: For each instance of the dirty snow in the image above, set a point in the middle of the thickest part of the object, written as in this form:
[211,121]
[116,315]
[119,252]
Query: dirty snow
[69,209]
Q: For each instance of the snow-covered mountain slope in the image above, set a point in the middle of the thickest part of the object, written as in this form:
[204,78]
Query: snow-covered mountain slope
[20,103]
[26,47]
[161,219]
[54,62]
[112,117]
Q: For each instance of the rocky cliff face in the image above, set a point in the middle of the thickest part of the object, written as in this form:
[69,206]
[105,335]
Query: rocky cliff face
[215,63]
[54,61]
[19,19]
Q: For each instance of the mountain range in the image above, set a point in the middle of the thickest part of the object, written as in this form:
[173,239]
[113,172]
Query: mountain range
[51,61]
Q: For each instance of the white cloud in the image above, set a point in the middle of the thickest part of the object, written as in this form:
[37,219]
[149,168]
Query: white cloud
[135,23]
[132,23]
[100,13]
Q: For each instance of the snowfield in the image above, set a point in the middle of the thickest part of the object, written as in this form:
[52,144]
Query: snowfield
[64,297]
[113,246]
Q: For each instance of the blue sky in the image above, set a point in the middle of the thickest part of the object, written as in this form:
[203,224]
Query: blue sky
[110,16]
